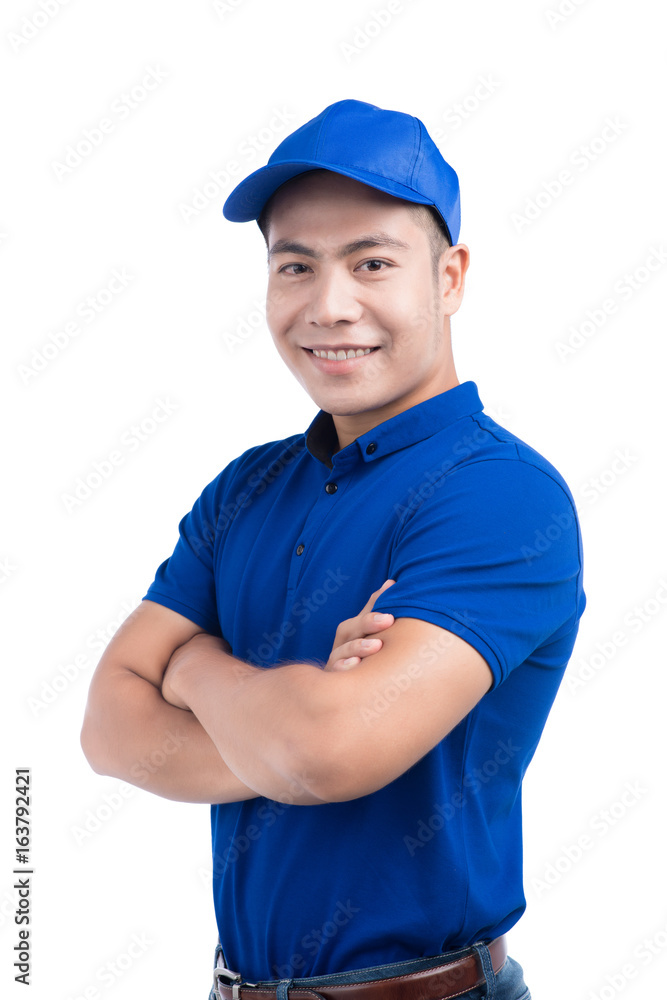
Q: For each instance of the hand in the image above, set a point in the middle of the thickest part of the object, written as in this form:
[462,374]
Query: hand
[182,655]
[348,648]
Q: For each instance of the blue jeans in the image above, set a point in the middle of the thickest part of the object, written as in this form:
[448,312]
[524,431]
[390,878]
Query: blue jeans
[508,984]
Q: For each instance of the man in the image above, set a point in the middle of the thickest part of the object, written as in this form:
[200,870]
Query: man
[409,571]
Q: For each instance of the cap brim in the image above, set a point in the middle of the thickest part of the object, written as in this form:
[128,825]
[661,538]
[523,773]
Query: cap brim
[248,198]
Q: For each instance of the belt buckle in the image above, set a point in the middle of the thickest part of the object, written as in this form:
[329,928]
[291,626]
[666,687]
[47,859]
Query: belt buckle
[234,980]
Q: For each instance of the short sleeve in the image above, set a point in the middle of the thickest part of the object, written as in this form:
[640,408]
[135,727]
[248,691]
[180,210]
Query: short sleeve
[185,582]
[492,552]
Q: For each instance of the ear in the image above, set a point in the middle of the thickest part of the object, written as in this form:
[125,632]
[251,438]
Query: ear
[452,272]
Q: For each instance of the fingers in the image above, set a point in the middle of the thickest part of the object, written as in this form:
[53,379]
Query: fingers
[351,661]
[350,654]
[354,629]
[374,596]
[348,650]
[375,621]
[351,628]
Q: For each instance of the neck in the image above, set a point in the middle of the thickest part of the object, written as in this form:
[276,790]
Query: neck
[351,426]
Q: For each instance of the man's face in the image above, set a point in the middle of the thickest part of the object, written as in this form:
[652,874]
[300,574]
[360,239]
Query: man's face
[352,304]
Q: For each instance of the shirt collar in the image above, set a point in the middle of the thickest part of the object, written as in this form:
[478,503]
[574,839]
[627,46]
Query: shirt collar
[404,429]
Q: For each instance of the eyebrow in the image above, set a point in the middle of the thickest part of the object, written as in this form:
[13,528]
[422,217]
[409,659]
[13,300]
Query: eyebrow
[366,242]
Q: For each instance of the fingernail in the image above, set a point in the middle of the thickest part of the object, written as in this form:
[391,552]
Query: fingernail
[349,661]
[367,643]
[380,617]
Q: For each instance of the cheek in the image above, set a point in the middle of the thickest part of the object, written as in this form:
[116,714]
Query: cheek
[281,311]
[287,350]
[279,341]
[415,320]
[410,301]
[277,322]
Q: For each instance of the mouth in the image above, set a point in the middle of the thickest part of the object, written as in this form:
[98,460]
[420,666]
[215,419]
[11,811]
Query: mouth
[341,360]
[343,353]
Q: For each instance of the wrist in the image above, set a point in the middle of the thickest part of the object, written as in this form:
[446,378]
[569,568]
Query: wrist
[205,662]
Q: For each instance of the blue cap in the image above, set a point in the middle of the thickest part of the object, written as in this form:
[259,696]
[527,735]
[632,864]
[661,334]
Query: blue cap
[387,150]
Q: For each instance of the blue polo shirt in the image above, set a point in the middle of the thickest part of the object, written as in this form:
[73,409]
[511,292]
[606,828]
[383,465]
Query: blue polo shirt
[481,535]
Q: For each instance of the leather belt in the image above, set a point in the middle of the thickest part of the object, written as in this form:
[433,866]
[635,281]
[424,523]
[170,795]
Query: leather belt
[450,979]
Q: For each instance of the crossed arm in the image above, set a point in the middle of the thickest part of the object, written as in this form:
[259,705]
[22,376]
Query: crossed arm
[172,710]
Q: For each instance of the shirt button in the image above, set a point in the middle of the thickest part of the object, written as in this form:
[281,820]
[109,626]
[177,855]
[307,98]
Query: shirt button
[370,448]
[331,487]
[299,549]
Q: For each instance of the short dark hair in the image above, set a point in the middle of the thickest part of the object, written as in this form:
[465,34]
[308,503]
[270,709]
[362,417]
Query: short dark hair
[430,220]
[425,216]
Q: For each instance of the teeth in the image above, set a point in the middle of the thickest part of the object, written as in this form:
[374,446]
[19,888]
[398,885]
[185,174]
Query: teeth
[343,355]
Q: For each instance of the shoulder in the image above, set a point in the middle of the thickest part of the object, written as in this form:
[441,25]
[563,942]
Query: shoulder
[233,489]
[483,467]
[255,467]
[495,499]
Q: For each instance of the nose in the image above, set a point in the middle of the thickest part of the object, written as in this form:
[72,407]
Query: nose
[332,300]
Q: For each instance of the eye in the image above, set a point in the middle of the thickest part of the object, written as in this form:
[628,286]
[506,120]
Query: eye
[374,265]
[285,269]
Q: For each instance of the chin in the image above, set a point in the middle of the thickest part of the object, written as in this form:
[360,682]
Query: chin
[342,407]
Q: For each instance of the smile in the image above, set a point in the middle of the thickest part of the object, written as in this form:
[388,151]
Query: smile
[341,355]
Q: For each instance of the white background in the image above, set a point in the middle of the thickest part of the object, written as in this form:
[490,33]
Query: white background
[534,91]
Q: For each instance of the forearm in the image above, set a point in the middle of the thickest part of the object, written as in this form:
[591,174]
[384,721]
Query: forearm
[131,732]
[337,735]
[270,717]
[284,730]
